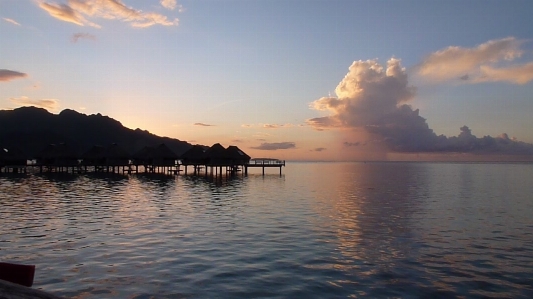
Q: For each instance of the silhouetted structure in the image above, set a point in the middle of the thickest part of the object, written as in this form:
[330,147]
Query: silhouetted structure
[12,160]
[58,157]
[154,158]
[104,158]
[237,156]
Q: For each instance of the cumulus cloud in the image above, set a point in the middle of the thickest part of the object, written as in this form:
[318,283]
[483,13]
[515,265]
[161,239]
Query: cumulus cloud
[8,75]
[11,21]
[367,96]
[171,5]
[374,98]
[275,146]
[78,12]
[203,125]
[478,64]
[76,36]
[48,104]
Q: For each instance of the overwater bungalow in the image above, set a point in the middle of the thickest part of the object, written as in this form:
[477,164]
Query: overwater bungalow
[237,156]
[57,157]
[153,157]
[217,156]
[194,156]
[111,156]
[12,159]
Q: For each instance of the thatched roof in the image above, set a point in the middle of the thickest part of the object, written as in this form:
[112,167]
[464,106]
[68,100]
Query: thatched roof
[236,153]
[216,151]
[143,153]
[160,152]
[113,151]
[61,150]
[195,153]
[163,152]
[95,152]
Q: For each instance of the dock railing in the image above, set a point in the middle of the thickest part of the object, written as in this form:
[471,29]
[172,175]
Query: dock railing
[266,161]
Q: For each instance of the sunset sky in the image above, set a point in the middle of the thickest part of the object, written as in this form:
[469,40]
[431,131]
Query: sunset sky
[307,80]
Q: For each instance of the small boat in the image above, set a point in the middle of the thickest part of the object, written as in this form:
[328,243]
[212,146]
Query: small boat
[17,273]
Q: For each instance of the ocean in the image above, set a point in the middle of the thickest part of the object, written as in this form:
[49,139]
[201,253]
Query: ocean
[320,230]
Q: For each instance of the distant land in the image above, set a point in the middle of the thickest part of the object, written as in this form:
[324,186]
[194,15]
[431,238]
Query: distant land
[31,129]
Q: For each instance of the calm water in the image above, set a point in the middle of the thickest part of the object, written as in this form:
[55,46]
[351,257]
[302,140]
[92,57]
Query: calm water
[322,230]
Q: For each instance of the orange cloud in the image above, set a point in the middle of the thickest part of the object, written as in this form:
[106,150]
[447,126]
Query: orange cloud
[478,64]
[77,12]
[48,104]
[518,74]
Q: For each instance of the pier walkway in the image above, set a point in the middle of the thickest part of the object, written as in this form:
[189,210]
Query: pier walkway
[264,163]
[174,168]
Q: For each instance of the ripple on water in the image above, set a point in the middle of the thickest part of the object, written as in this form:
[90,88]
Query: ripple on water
[406,230]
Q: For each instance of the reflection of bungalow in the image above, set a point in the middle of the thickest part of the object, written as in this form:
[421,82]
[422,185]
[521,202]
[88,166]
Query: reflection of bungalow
[113,155]
[194,156]
[57,155]
[155,156]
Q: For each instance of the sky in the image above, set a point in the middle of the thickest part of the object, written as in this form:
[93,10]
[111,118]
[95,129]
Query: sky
[295,80]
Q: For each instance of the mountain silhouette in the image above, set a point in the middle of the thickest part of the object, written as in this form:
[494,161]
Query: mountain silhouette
[31,129]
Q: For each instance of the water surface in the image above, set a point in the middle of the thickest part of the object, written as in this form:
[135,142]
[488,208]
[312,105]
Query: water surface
[321,230]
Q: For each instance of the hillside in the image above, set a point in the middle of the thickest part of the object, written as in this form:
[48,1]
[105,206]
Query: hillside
[31,129]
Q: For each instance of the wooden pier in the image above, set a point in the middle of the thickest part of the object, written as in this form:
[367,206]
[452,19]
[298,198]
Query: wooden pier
[213,161]
[264,163]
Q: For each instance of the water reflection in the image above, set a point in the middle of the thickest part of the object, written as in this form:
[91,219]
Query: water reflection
[371,208]
[325,230]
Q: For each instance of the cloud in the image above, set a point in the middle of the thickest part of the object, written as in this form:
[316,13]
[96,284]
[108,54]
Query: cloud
[247,125]
[277,126]
[367,96]
[518,74]
[319,149]
[171,5]
[275,146]
[11,21]
[77,12]
[66,13]
[349,144]
[8,75]
[48,104]
[374,99]
[271,126]
[76,36]
[479,64]
[202,125]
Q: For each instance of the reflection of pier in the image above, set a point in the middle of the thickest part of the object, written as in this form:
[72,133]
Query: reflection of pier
[264,163]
